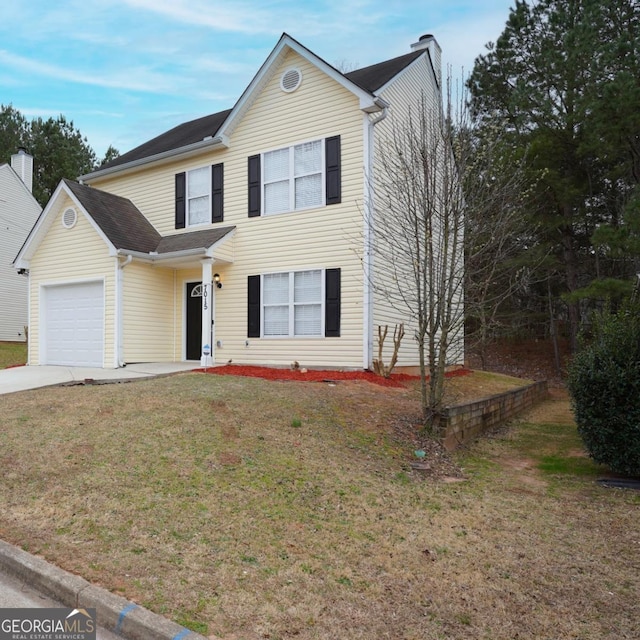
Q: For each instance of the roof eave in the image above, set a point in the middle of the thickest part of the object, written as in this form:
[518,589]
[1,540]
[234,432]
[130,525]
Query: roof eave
[154,256]
[159,158]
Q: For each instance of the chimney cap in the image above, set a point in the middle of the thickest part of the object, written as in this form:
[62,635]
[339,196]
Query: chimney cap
[426,36]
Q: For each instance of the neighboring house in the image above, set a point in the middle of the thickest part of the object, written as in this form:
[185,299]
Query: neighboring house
[240,236]
[18,212]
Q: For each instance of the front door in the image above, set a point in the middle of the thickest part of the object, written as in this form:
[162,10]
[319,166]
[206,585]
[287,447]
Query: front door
[194,321]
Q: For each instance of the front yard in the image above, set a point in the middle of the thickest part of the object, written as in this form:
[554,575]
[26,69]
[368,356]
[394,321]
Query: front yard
[250,509]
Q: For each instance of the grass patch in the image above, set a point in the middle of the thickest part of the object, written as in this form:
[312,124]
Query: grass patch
[191,494]
[12,353]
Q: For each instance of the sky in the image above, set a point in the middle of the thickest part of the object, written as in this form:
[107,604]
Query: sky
[125,71]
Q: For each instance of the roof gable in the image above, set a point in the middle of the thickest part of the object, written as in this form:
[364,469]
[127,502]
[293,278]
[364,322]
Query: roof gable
[368,102]
[9,173]
[121,225]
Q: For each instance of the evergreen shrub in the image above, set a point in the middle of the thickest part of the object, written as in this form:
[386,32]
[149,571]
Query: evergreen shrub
[604,383]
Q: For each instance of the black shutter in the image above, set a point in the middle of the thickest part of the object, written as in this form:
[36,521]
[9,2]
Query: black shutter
[332,303]
[181,182]
[332,162]
[253,299]
[254,186]
[217,198]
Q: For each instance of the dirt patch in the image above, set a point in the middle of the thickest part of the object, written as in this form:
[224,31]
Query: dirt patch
[530,358]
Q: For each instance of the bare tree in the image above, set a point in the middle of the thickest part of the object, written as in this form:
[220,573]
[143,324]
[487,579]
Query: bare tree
[442,221]
[418,241]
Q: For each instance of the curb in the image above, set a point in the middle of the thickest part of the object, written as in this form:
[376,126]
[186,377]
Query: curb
[114,613]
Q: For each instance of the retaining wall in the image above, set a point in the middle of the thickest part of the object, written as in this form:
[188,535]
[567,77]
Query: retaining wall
[465,422]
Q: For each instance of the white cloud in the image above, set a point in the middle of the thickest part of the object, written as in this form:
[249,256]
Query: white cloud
[130,78]
[235,16]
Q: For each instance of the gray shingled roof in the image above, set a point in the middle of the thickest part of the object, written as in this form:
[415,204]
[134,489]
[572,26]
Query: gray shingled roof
[369,78]
[119,219]
[376,76]
[127,229]
[180,136]
[193,240]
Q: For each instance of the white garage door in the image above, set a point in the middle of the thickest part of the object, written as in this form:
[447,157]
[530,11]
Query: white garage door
[73,324]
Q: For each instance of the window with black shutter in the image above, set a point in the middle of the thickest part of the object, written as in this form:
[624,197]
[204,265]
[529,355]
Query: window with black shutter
[302,176]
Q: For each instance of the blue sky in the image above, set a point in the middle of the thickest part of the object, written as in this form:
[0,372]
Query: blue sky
[126,70]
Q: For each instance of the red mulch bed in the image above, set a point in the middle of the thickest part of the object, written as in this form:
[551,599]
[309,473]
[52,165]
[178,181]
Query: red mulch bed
[315,375]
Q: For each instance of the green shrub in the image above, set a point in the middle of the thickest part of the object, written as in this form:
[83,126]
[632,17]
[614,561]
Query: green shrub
[604,383]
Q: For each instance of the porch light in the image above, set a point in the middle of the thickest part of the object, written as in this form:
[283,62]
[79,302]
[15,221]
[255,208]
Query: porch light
[216,280]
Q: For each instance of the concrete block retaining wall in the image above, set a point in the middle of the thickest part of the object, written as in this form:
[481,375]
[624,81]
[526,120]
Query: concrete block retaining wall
[465,422]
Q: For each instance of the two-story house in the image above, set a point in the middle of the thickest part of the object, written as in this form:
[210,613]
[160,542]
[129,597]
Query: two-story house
[18,212]
[240,236]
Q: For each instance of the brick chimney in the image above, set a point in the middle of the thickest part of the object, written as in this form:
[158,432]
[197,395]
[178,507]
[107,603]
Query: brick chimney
[22,164]
[430,43]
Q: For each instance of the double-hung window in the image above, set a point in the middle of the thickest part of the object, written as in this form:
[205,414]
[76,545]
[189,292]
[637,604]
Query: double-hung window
[198,196]
[293,178]
[292,304]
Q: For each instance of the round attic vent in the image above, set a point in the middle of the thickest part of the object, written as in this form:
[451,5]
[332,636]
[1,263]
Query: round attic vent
[69,218]
[290,80]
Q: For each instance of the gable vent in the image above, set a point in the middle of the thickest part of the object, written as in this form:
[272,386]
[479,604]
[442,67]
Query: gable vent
[69,218]
[290,80]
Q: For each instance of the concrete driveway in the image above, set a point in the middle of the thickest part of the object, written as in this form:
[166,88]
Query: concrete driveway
[24,378]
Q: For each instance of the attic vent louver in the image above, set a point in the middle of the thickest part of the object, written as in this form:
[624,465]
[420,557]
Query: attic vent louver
[69,218]
[290,80]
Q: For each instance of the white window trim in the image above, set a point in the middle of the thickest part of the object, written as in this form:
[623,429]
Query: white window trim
[291,304]
[292,177]
[188,198]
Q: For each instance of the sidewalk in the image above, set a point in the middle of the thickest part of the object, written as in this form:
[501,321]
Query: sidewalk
[24,378]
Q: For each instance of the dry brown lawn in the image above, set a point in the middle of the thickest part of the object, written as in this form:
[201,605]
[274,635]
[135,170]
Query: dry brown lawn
[249,509]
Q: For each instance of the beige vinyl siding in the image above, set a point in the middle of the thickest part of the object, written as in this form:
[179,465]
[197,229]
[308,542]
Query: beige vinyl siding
[407,94]
[18,212]
[323,237]
[316,238]
[148,318]
[66,256]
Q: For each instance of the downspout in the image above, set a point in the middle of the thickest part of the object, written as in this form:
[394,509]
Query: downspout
[27,274]
[119,312]
[368,242]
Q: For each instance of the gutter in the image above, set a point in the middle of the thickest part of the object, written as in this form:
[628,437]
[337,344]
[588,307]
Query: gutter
[153,256]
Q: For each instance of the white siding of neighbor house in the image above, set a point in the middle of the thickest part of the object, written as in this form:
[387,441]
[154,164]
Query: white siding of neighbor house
[324,237]
[406,93]
[148,319]
[66,256]
[18,212]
